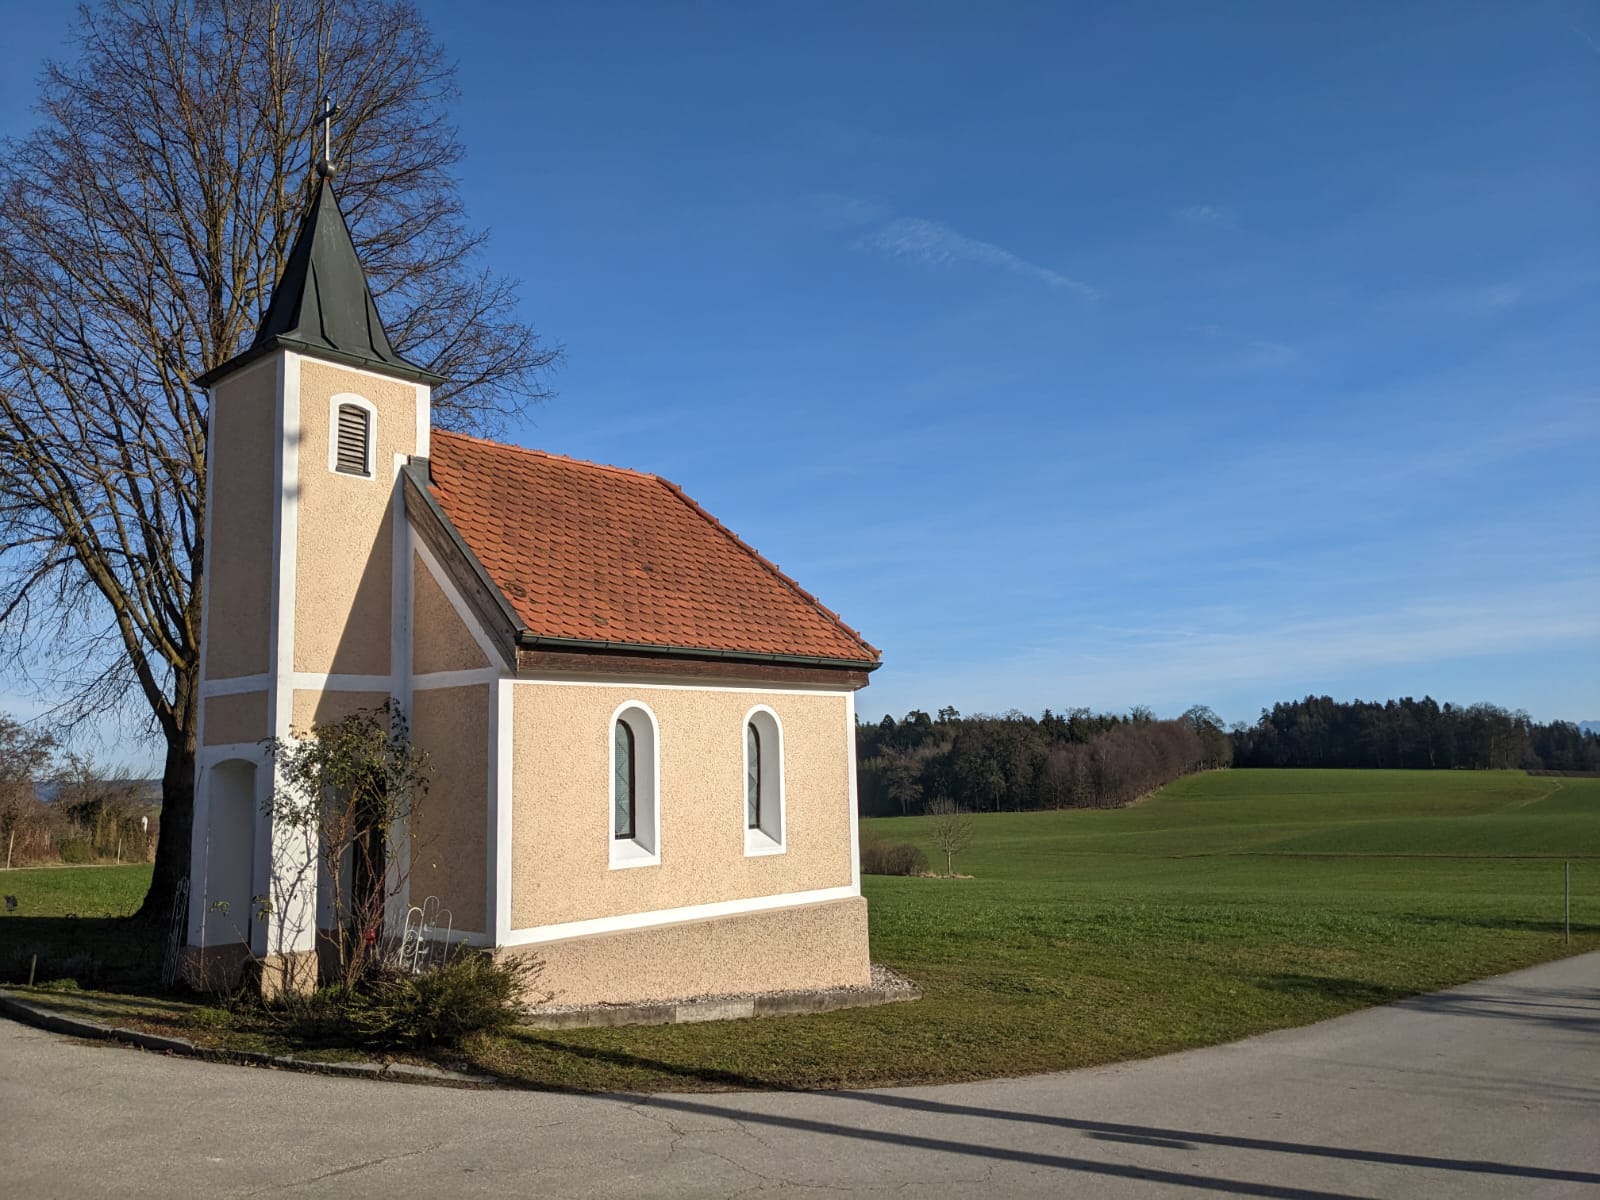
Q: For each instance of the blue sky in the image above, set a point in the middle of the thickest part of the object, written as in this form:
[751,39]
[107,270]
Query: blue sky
[1080,354]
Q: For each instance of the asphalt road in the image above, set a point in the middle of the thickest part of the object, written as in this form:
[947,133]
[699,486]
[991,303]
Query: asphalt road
[1492,1089]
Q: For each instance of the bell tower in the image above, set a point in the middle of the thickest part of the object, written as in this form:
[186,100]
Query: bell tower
[305,593]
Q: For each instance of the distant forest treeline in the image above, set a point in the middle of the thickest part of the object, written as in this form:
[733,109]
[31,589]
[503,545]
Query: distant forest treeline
[1084,759]
[1322,732]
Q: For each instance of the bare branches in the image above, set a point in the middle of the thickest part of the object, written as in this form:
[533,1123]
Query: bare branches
[141,229]
[951,828]
[142,226]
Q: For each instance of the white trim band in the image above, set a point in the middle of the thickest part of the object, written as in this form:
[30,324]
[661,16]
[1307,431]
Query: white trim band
[671,916]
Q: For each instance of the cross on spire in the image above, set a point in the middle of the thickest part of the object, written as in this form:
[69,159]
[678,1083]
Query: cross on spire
[325,167]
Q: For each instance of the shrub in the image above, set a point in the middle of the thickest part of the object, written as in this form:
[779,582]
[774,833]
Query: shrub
[893,858]
[472,993]
[77,851]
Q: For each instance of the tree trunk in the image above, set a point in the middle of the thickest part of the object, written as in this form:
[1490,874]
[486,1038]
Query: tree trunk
[11,843]
[177,806]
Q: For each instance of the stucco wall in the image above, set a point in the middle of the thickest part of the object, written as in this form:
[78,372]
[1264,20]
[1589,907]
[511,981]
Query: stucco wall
[345,539]
[808,946]
[561,825]
[237,719]
[238,582]
[440,641]
[323,708]
[449,857]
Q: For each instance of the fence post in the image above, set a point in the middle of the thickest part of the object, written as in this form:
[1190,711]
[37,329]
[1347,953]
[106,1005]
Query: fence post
[1566,903]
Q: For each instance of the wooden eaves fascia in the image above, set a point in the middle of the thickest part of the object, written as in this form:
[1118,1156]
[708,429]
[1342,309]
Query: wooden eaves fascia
[530,652]
[495,613]
[399,370]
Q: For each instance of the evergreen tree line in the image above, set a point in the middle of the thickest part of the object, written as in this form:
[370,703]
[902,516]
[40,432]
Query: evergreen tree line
[1421,734]
[1083,759]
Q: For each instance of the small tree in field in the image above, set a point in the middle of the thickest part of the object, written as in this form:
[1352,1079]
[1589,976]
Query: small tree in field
[25,757]
[349,788]
[952,829]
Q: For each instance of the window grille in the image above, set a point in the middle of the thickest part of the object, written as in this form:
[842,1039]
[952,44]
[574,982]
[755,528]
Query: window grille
[624,785]
[752,777]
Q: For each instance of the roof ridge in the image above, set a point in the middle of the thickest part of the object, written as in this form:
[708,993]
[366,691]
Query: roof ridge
[771,566]
[560,458]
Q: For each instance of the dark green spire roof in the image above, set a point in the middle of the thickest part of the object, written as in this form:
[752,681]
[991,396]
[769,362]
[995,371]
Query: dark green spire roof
[322,305]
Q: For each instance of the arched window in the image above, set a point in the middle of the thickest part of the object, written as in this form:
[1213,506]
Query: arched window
[752,776]
[635,768]
[351,434]
[763,782]
[624,783]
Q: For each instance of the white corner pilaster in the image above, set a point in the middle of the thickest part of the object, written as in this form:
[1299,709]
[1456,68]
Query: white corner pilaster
[501,803]
[286,861]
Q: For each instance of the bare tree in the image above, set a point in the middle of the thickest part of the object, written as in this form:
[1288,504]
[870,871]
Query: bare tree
[951,828]
[142,226]
[25,756]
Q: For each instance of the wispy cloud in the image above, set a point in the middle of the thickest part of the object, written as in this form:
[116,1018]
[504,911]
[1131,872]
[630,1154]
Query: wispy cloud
[918,239]
[1264,355]
[1474,301]
[1205,656]
[1205,214]
[1250,354]
[836,210]
[1516,620]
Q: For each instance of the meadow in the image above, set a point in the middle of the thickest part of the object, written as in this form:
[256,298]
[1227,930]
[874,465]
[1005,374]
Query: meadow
[76,891]
[1229,903]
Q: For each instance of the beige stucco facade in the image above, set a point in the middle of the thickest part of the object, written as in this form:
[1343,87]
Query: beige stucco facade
[561,806]
[450,852]
[324,707]
[440,640]
[344,526]
[237,719]
[243,502]
[805,946]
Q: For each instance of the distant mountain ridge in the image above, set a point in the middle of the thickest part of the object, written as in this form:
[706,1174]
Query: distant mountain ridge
[146,791]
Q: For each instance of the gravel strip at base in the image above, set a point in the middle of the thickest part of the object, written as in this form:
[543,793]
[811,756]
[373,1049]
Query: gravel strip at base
[888,986]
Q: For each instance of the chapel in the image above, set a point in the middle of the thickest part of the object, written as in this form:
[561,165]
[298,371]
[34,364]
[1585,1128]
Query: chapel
[641,731]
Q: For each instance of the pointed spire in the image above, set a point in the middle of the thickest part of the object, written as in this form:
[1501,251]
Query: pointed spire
[322,305]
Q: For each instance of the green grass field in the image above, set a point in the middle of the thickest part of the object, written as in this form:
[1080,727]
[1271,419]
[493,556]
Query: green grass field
[75,891]
[1228,904]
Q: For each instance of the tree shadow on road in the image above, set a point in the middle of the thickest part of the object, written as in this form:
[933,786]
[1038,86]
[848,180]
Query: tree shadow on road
[1160,1137]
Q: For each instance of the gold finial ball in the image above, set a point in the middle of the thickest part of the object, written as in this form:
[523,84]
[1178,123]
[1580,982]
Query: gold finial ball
[325,169]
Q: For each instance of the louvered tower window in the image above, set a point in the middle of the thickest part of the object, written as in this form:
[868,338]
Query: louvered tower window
[352,439]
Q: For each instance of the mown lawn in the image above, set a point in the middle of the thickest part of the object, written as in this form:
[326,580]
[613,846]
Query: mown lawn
[1228,904]
[75,891]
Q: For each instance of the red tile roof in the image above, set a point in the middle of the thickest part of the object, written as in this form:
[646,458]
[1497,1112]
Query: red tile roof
[601,554]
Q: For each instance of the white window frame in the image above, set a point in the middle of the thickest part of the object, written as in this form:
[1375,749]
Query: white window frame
[772,835]
[361,402]
[644,848]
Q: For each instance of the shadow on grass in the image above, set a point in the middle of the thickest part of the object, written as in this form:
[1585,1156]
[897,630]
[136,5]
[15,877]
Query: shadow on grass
[1354,992]
[95,951]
